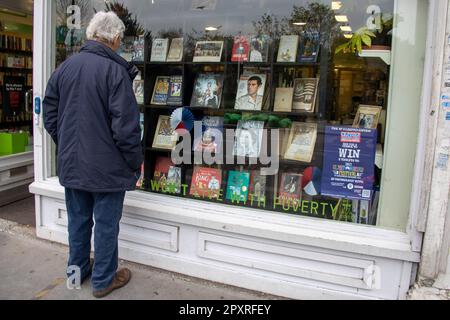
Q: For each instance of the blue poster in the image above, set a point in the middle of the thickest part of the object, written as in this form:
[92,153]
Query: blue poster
[348,164]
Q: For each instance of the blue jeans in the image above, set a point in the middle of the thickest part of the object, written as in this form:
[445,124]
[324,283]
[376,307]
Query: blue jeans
[106,209]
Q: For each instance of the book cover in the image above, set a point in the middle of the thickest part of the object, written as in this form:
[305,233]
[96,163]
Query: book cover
[290,187]
[141,124]
[175,96]
[161,90]
[211,139]
[237,186]
[259,48]
[309,47]
[287,51]
[208,51]
[165,137]
[127,48]
[174,180]
[138,49]
[301,142]
[248,139]
[257,187]
[176,50]
[159,50]
[161,172]
[138,89]
[241,49]
[206,182]
[250,93]
[283,99]
[305,93]
[207,90]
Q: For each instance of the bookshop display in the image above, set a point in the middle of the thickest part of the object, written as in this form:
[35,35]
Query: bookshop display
[253,114]
[246,102]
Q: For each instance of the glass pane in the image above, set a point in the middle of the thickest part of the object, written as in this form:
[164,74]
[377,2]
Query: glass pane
[286,103]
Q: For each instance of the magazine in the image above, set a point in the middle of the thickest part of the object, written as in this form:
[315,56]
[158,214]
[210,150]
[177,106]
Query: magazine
[159,50]
[241,48]
[212,135]
[138,49]
[174,180]
[290,188]
[208,51]
[305,93]
[248,139]
[301,142]
[207,90]
[165,137]
[250,93]
[257,188]
[309,47]
[161,90]
[138,89]
[206,182]
[287,52]
[283,99]
[237,186]
[175,95]
[127,48]
[176,50]
[259,48]
[162,166]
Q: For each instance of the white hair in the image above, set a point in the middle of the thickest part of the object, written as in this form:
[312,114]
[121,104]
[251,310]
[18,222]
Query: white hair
[104,27]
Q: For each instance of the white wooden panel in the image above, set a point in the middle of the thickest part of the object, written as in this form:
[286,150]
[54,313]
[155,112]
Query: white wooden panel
[61,218]
[150,234]
[336,269]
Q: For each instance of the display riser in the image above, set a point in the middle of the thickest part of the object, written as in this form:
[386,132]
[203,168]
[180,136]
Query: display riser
[219,252]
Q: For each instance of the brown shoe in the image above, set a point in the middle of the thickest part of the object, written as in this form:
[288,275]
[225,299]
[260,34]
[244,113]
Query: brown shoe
[121,278]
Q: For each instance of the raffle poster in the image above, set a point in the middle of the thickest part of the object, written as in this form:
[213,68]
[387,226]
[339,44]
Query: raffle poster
[348,168]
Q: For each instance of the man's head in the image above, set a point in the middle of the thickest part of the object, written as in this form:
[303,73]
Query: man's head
[253,85]
[107,28]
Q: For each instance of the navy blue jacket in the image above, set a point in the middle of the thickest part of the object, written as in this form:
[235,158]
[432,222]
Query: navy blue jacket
[91,113]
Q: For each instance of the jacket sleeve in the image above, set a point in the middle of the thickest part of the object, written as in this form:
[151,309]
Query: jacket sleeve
[125,126]
[50,107]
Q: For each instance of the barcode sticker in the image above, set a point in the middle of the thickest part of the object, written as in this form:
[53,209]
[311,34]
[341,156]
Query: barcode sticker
[366,193]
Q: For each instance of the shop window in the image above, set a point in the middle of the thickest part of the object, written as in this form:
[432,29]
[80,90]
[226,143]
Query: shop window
[296,107]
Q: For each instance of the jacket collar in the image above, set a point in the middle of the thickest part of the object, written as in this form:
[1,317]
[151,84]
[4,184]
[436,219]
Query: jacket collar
[102,50]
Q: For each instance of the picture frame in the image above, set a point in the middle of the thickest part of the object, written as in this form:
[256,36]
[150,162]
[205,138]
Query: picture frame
[208,51]
[367,117]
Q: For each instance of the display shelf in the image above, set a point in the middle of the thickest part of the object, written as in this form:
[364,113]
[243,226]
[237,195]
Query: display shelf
[17,52]
[384,55]
[19,70]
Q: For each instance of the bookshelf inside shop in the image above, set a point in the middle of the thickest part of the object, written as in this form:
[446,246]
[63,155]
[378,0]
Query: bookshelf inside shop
[16,83]
[297,178]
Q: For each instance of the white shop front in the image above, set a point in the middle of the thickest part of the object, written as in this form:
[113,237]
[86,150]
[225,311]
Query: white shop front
[326,241]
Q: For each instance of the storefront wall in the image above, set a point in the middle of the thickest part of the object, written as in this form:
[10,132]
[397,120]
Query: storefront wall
[303,258]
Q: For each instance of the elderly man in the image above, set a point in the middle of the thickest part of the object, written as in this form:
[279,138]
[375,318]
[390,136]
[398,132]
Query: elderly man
[91,114]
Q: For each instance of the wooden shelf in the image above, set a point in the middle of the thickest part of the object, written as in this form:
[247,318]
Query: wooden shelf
[19,70]
[17,52]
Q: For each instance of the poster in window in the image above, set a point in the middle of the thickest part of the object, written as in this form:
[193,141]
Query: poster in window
[348,164]
[13,95]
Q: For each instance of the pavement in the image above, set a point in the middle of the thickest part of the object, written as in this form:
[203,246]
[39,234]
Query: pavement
[34,269]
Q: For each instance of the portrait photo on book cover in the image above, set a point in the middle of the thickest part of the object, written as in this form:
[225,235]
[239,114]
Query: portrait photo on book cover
[250,94]
[207,91]
[248,139]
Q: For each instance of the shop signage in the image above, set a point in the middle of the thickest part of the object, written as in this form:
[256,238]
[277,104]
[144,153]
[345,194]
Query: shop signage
[348,165]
